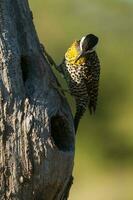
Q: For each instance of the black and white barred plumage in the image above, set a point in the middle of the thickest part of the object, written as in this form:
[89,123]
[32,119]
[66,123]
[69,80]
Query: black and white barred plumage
[81,68]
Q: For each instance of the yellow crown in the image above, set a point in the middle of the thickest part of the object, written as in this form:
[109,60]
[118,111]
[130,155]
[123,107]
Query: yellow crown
[72,54]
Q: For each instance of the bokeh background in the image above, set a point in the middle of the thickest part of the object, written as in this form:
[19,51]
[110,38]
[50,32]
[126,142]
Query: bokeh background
[104,148]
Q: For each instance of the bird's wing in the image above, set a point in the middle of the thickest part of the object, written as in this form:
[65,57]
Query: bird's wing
[91,78]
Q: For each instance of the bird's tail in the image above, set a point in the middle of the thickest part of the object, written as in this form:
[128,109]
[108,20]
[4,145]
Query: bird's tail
[79,113]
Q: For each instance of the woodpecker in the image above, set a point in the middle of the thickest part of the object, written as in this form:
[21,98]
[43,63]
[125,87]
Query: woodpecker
[81,69]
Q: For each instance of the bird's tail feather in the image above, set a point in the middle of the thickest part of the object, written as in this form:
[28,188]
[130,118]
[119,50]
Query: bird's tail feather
[79,113]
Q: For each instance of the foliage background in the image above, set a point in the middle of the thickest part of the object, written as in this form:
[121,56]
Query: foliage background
[104,149]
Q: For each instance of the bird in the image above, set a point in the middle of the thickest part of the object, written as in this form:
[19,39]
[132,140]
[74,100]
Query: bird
[81,69]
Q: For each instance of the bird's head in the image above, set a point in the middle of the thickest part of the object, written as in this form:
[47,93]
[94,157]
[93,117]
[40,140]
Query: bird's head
[87,45]
[79,49]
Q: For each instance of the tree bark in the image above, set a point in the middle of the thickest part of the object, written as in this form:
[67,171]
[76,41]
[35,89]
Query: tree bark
[36,125]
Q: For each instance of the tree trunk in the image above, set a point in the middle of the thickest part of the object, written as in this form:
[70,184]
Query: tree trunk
[36,125]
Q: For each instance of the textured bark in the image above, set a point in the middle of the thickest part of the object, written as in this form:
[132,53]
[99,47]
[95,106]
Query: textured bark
[36,125]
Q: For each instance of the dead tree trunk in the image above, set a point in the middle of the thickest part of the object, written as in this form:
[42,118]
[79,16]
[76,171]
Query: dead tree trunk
[36,124]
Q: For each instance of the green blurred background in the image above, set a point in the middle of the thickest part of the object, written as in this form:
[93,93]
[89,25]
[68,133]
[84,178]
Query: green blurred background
[104,148]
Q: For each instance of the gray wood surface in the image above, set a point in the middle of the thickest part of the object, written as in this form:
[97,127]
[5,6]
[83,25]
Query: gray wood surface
[36,125]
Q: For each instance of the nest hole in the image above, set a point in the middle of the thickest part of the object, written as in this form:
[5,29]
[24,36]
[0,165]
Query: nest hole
[61,133]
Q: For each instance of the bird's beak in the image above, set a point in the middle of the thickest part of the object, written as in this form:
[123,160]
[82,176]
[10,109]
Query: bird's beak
[78,57]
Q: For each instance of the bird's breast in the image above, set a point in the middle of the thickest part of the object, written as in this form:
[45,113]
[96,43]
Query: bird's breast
[75,73]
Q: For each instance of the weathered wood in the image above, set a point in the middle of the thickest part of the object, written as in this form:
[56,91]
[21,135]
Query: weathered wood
[36,125]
